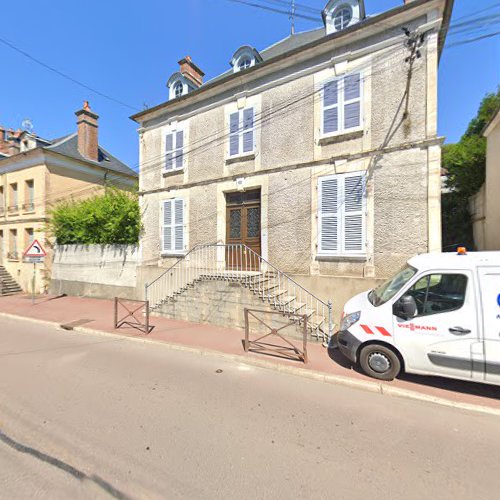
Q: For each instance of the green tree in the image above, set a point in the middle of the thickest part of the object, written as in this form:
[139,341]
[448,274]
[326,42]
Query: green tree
[465,164]
[110,218]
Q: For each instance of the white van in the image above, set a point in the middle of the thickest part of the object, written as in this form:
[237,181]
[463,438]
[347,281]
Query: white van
[440,315]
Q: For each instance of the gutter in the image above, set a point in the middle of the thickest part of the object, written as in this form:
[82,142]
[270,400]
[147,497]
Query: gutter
[370,21]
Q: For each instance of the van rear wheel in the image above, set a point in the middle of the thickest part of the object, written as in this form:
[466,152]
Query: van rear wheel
[379,362]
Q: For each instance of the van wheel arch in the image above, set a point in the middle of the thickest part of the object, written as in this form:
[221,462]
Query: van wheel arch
[385,344]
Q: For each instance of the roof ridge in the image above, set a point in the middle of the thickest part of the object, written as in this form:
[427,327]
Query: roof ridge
[63,140]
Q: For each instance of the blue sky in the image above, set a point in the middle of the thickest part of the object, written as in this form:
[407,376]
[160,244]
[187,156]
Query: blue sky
[128,49]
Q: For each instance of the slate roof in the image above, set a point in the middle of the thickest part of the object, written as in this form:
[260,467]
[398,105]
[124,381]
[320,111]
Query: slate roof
[68,146]
[291,42]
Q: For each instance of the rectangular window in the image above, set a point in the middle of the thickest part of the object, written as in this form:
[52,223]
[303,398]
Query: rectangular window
[13,196]
[174,149]
[341,104]
[241,132]
[29,196]
[13,244]
[2,201]
[173,226]
[29,237]
[341,217]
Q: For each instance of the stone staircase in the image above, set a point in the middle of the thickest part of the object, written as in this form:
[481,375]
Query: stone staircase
[7,284]
[182,292]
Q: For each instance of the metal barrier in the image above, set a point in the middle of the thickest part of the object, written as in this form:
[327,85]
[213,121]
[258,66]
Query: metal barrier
[289,350]
[135,322]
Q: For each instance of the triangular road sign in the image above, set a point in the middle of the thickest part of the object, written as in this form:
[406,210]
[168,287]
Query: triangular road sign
[35,250]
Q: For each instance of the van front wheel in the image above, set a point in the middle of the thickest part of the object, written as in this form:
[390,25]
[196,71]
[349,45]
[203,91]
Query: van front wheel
[379,362]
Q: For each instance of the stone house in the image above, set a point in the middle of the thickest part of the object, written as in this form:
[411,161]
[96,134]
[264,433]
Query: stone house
[485,205]
[319,153]
[36,174]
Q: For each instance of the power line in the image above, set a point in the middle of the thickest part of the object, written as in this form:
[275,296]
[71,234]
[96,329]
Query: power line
[272,9]
[64,75]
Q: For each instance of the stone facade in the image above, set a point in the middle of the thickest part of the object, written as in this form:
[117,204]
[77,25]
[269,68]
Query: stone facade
[396,147]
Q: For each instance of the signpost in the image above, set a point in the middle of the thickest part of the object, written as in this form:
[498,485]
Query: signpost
[35,254]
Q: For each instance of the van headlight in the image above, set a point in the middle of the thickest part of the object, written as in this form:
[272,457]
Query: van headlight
[349,320]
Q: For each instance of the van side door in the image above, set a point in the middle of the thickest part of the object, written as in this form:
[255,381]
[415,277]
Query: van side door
[441,336]
[489,290]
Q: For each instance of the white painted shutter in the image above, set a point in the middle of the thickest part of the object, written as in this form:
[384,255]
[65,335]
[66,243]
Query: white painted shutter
[329,215]
[330,107]
[179,225]
[169,150]
[354,218]
[352,101]
[234,136]
[179,149]
[167,225]
[248,130]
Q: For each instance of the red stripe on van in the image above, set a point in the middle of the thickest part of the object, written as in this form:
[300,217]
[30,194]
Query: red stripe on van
[383,331]
[367,329]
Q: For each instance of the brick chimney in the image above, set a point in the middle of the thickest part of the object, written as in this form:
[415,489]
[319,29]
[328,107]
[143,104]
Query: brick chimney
[190,71]
[88,142]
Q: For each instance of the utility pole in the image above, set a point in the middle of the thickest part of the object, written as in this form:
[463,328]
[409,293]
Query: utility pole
[414,42]
[292,16]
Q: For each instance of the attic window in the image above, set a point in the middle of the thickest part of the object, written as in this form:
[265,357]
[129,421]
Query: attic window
[244,63]
[178,89]
[342,17]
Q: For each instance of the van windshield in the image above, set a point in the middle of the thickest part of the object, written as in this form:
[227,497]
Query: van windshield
[387,290]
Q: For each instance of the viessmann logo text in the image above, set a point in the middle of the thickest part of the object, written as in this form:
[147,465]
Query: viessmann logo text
[413,327]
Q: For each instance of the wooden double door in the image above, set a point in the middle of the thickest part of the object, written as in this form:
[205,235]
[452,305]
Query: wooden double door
[243,226]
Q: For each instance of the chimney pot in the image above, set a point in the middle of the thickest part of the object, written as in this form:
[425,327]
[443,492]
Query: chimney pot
[88,141]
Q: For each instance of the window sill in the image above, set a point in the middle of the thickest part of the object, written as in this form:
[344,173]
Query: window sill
[171,173]
[342,257]
[243,157]
[341,137]
[173,254]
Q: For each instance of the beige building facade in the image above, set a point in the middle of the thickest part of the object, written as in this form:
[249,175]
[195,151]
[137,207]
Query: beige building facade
[321,152]
[485,205]
[35,180]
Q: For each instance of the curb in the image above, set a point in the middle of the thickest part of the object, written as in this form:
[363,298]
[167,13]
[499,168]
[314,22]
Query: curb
[365,385]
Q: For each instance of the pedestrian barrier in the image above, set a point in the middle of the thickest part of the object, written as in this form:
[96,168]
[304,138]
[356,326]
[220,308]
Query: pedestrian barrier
[286,350]
[132,310]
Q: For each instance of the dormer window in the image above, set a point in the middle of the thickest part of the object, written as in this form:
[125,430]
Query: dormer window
[178,89]
[340,14]
[342,17]
[245,57]
[244,63]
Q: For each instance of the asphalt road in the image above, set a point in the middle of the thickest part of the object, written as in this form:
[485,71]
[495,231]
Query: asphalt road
[84,416]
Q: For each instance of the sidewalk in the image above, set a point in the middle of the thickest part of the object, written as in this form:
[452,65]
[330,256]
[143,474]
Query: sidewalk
[330,366]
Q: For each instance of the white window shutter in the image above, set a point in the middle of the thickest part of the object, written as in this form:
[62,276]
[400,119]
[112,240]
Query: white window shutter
[169,149]
[352,101]
[354,218]
[234,136]
[330,107]
[179,149]
[167,225]
[248,122]
[179,224]
[329,215]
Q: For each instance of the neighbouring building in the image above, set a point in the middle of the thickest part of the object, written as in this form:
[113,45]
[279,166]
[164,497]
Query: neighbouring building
[320,153]
[35,174]
[485,205]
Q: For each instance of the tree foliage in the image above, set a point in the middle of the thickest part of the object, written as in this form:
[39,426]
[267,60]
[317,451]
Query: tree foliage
[110,218]
[465,164]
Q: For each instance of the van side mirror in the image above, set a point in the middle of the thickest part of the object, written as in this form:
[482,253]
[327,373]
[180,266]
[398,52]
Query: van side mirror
[405,307]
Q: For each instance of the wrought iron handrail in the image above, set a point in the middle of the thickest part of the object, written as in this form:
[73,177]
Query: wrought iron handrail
[238,262]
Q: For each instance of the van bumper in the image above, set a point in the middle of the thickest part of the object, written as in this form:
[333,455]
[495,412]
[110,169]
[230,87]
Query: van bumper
[348,345]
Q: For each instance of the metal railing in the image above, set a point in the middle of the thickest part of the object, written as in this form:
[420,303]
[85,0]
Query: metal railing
[239,263]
